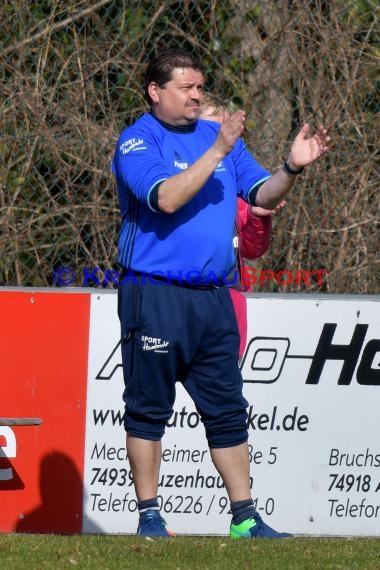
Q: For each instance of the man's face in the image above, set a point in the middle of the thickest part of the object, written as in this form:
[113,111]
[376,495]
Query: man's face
[178,101]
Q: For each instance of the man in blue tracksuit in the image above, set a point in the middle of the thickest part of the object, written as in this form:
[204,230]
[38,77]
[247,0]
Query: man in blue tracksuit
[178,178]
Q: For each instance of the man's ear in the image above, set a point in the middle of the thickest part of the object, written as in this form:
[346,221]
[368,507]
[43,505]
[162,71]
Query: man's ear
[153,90]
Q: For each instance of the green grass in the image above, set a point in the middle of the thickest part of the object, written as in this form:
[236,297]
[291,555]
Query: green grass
[32,552]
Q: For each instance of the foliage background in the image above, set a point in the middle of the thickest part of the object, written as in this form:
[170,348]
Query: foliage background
[71,80]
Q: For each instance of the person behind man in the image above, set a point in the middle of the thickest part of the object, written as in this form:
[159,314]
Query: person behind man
[177,181]
[252,224]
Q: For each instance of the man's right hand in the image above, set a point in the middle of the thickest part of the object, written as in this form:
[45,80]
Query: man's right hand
[231,129]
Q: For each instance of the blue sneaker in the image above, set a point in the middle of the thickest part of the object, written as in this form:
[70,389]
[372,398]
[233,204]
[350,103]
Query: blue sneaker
[255,527]
[152,524]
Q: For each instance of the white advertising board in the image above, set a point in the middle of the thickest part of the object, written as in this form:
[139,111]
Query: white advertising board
[312,381]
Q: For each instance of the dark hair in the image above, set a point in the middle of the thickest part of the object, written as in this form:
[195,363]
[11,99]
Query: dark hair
[161,67]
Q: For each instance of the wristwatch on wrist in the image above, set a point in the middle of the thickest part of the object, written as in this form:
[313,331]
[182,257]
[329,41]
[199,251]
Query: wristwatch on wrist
[289,170]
